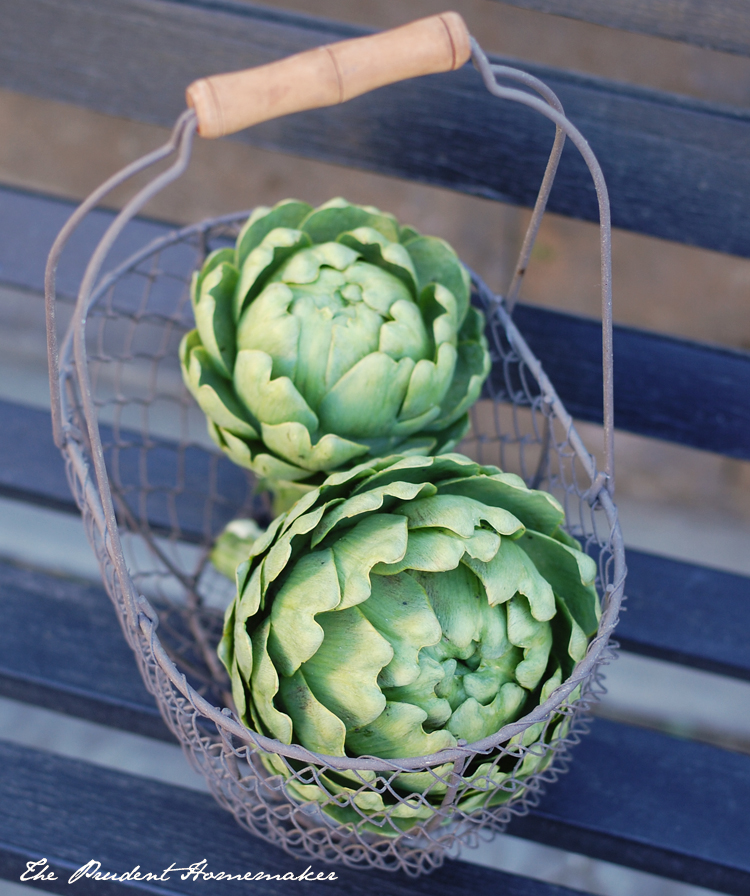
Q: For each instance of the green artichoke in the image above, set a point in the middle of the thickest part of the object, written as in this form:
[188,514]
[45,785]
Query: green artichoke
[404,606]
[328,335]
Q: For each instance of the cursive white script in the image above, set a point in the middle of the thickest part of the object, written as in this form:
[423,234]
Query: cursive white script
[196,871]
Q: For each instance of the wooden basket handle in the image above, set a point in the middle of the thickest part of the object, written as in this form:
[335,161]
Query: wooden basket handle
[328,75]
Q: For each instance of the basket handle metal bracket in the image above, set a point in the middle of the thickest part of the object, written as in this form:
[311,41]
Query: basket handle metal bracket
[549,105]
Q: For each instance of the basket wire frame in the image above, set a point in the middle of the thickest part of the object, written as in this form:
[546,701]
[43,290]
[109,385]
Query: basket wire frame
[154,494]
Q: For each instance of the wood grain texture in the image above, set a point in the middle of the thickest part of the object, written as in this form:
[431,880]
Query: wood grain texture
[686,614]
[71,812]
[61,646]
[631,796]
[178,480]
[716,25]
[665,388]
[668,388]
[676,168]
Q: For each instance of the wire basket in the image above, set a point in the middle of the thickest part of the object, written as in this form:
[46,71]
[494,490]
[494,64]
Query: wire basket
[154,493]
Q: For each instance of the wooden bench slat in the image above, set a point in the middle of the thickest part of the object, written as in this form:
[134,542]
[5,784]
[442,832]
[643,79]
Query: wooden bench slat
[86,668]
[633,797]
[640,798]
[718,25]
[32,470]
[605,807]
[686,614]
[665,387]
[676,168]
[61,648]
[70,812]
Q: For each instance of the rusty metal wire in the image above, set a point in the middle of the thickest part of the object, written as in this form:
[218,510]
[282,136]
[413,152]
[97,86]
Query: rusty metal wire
[154,494]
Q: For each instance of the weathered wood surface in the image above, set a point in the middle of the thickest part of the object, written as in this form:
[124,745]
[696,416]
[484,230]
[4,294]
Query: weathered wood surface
[179,480]
[632,796]
[71,813]
[716,24]
[686,614]
[675,611]
[676,168]
[61,648]
[665,387]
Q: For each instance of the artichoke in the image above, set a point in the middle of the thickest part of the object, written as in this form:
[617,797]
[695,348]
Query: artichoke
[329,335]
[403,607]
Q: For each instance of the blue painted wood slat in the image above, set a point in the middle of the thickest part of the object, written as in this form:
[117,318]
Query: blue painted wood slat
[666,388]
[676,168]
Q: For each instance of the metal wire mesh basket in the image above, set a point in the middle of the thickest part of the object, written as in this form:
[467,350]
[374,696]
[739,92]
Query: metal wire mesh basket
[154,494]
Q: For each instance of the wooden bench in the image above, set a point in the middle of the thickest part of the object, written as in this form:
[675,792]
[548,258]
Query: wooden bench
[635,797]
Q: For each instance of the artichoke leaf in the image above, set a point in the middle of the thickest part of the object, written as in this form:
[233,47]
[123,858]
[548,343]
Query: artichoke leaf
[570,642]
[266,325]
[288,213]
[304,266]
[264,686]
[571,574]
[401,445]
[438,308]
[213,315]
[405,334]
[534,637]
[315,726]
[398,732]
[536,509]
[367,399]
[380,290]
[213,393]
[343,672]
[213,260]
[378,250]
[250,598]
[421,692]
[448,438]
[428,385]
[455,596]
[239,693]
[367,502]
[291,441]
[337,216]
[232,547]
[429,550]
[276,247]
[284,548]
[270,400]
[414,469]
[251,456]
[378,538]
[225,649]
[472,366]
[472,721]
[310,588]
[459,515]
[511,571]
[435,262]
[399,610]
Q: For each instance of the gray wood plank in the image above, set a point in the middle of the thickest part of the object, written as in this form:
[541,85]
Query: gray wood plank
[634,797]
[717,24]
[676,168]
[181,481]
[70,813]
[61,646]
[665,388]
